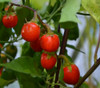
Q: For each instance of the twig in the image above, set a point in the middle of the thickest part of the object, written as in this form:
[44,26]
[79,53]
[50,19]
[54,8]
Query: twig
[31,10]
[97,47]
[91,70]
[85,14]
[62,50]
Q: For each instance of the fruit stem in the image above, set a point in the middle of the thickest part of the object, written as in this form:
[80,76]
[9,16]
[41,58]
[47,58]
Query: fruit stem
[90,71]
[10,9]
[67,62]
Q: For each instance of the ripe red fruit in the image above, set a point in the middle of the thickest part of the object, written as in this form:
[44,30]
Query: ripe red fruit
[49,43]
[30,31]
[48,62]
[71,76]
[10,21]
[1,69]
[1,46]
[36,45]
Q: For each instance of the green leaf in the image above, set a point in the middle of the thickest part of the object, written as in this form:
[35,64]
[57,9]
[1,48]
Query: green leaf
[22,13]
[5,33]
[26,81]
[84,85]
[8,75]
[4,82]
[24,65]
[69,11]
[73,32]
[36,60]
[68,25]
[27,51]
[1,6]
[38,4]
[93,7]
[53,2]
[5,0]
[73,47]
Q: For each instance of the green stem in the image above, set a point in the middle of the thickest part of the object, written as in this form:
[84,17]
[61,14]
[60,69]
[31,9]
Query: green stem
[54,14]
[55,84]
[9,57]
[10,41]
[67,62]
[91,70]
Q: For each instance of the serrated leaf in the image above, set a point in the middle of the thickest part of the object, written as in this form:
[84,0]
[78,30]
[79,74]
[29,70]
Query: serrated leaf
[73,47]
[26,81]
[38,4]
[69,11]
[24,65]
[93,7]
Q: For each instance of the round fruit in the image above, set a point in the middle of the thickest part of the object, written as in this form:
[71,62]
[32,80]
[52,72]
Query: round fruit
[1,69]
[11,50]
[36,45]
[49,43]
[1,46]
[47,61]
[30,31]
[71,74]
[10,21]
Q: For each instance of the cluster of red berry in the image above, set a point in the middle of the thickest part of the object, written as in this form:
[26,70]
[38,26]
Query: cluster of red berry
[47,42]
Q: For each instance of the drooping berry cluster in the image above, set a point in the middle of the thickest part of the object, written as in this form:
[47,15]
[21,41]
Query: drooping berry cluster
[48,43]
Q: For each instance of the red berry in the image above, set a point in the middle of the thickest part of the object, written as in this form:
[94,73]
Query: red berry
[30,31]
[36,45]
[1,46]
[49,43]
[71,76]
[1,69]
[10,21]
[48,62]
